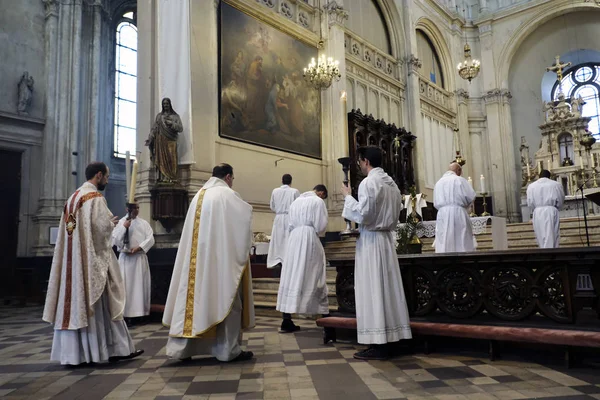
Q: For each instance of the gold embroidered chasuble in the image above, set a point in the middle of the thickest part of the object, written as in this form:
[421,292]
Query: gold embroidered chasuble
[84,264]
[212,264]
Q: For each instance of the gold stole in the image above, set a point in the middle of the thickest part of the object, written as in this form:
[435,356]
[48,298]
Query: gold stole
[211,332]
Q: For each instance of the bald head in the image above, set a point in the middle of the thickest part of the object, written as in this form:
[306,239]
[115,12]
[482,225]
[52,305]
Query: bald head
[456,168]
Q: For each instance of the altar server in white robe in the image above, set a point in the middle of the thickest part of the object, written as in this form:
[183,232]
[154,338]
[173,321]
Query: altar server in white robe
[381,312]
[133,237]
[452,195]
[546,197]
[281,199]
[86,296]
[303,286]
[210,295]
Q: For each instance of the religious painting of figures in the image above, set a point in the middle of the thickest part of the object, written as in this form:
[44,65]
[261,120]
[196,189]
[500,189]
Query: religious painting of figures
[264,98]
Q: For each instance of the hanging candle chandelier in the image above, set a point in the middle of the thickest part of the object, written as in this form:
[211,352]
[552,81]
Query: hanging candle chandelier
[468,69]
[320,74]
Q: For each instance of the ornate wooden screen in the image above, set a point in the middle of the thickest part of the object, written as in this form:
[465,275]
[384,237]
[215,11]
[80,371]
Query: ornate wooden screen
[397,160]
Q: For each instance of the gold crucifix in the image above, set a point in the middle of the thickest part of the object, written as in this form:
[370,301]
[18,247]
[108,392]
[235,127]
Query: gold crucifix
[558,68]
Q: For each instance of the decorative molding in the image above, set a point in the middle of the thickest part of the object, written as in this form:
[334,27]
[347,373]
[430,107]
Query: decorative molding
[337,14]
[375,78]
[414,64]
[485,28]
[462,96]
[378,60]
[437,101]
[51,8]
[300,12]
[497,96]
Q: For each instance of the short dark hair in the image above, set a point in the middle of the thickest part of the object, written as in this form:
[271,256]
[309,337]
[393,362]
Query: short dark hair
[545,173]
[371,153]
[321,188]
[286,179]
[222,170]
[92,169]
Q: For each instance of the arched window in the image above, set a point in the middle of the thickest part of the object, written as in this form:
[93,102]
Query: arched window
[431,67]
[367,21]
[565,146]
[583,80]
[125,85]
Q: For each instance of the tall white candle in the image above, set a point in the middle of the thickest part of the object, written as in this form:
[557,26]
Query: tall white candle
[528,171]
[133,182]
[470,181]
[127,172]
[482,182]
[549,166]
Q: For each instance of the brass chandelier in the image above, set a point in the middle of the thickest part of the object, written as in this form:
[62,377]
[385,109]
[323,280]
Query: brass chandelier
[320,74]
[468,69]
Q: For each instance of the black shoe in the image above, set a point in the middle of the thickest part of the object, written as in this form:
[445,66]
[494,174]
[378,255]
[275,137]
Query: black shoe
[372,353]
[187,359]
[129,357]
[243,356]
[288,326]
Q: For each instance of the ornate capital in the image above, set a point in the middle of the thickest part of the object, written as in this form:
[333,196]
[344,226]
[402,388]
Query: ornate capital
[462,95]
[51,7]
[414,64]
[497,96]
[337,14]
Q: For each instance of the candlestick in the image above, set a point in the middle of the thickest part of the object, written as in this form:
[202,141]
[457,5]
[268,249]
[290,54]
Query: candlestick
[528,171]
[470,181]
[484,213]
[133,179]
[482,182]
[539,166]
[345,161]
[549,164]
[344,99]
[127,173]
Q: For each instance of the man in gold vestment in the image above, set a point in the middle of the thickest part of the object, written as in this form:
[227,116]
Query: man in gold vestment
[210,296]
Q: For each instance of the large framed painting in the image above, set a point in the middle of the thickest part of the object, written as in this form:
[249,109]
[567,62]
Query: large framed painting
[264,99]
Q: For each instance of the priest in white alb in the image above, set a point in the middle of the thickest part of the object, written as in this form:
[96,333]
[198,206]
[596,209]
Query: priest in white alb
[546,197]
[133,237]
[381,311]
[210,295]
[86,297]
[303,286]
[281,199]
[452,195]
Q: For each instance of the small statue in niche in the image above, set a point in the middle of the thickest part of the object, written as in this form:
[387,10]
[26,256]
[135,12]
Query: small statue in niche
[25,93]
[162,142]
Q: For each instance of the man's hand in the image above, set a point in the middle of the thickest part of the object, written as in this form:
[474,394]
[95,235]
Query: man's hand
[136,250]
[127,223]
[346,190]
[114,220]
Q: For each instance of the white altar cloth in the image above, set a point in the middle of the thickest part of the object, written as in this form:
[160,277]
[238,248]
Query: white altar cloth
[479,225]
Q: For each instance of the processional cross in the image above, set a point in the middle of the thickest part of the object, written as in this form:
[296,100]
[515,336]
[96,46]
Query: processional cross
[558,69]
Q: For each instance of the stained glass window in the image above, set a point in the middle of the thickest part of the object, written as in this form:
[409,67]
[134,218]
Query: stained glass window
[125,86]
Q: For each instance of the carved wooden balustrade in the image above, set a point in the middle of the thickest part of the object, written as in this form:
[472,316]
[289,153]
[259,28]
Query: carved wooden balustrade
[546,287]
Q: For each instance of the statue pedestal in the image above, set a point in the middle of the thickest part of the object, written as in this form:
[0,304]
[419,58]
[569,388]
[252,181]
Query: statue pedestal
[169,204]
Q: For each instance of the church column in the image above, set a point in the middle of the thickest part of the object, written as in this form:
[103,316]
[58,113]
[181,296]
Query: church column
[334,112]
[501,164]
[462,117]
[502,169]
[62,47]
[147,100]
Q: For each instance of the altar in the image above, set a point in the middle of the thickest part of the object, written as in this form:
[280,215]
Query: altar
[572,207]
[479,226]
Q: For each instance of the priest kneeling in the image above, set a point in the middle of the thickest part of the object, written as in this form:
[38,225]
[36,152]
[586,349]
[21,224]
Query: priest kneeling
[86,295]
[303,286]
[210,296]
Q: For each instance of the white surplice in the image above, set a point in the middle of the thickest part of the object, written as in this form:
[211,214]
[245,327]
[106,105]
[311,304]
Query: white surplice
[210,295]
[452,195]
[303,286]
[86,296]
[281,199]
[546,197]
[381,312]
[134,267]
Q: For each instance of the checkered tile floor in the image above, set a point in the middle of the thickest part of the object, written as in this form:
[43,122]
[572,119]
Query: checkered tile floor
[287,366]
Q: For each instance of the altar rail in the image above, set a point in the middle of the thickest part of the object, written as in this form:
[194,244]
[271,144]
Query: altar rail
[540,287]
